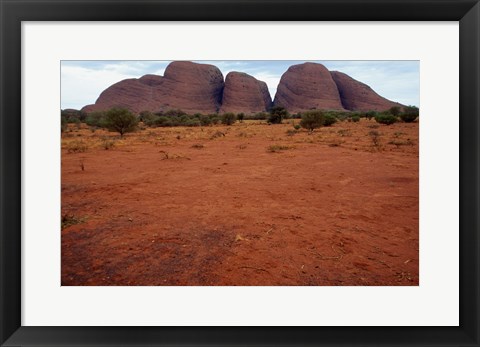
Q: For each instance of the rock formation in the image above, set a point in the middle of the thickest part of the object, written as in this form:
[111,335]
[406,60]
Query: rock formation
[357,96]
[191,87]
[199,88]
[134,94]
[245,94]
[307,86]
[188,86]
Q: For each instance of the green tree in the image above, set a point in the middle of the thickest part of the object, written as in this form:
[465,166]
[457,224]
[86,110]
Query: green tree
[312,120]
[277,114]
[241,117]
[120,120]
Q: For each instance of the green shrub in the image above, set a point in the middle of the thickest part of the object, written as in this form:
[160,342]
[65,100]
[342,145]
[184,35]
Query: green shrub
[95,119]
[371,114]
[259,116]
[193,122]
[410,114]
[277,114]
[408,118]
[297,126]
[312,120]
[172,113]
[146,117]
[329,120]
[394,111]
[355,119]
[228,118]
[205,120]
[241,117]
[385,119]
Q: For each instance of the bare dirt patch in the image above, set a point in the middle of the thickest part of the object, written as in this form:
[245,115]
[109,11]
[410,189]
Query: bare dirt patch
[187,206]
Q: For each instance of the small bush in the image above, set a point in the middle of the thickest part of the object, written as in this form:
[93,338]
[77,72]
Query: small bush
[386,119]
[312,120]
[108,144]
[291,132]
[228,118]
[394,111]
[371,114]
[408,118]
[95,119]
[277,114]
[217,134]
[146,117]
[77,146]
[355,119]
[410,114]
[329,120]
[297,126]
[241,117]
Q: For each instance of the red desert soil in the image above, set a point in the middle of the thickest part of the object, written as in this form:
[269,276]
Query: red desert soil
[189,206]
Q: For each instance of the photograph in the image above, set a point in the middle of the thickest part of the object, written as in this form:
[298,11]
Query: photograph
[240,172]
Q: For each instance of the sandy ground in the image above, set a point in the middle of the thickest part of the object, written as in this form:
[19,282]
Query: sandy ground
[189,206]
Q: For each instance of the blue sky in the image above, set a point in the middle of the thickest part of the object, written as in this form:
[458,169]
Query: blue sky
[83,81]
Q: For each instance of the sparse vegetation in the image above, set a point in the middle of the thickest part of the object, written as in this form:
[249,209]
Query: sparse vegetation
[375,137]
[77,146]
[70,219]
[108,144]
[278,148]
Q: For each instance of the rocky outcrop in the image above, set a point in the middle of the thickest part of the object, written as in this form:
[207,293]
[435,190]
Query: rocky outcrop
[307,86]
[191,87]
[134,94]
[199,88]
[357,96]
[245,94]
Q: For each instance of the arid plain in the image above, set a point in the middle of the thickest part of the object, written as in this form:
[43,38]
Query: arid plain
[246,204]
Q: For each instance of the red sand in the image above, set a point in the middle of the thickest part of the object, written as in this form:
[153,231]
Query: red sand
[332,209]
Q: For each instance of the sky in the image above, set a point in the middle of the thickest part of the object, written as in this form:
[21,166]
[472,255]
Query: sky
[83,81]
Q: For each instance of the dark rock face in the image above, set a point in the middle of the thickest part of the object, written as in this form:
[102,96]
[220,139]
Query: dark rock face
[307,86]
[245,94]
[357,96]
[187,86]
[191,87]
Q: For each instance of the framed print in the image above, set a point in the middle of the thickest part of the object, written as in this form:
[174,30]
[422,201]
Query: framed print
[239,173]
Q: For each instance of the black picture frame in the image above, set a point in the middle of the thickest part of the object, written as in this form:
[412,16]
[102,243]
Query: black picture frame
[13,12]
